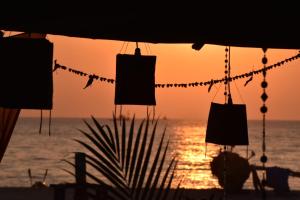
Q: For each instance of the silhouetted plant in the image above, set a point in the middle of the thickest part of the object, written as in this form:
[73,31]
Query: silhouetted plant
[123,155]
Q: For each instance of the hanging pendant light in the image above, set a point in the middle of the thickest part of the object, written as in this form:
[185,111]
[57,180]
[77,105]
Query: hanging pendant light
[227,124]
[26,73]
[135,79]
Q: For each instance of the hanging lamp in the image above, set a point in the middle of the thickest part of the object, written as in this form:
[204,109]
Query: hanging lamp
[26,73]
[227,123]
[135,79]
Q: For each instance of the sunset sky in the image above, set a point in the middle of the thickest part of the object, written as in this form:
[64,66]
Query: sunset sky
[176,63]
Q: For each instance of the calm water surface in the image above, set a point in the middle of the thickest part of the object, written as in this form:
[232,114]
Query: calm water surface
[28,149]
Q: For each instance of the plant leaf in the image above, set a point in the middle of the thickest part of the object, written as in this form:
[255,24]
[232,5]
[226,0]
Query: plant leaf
[118,183]
[145,163]
[112,173]
[129,146]
[153,168]
[111,138]
[140,159]
[99,138]
[116,136]
[100,157]
[123,140]
[161,188]
[178,192]
[135,152]
[109,154]
[157,176]
[167,190]
[103,133]
[115,191]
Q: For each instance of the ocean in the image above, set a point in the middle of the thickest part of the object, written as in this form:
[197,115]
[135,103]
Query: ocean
[40,152]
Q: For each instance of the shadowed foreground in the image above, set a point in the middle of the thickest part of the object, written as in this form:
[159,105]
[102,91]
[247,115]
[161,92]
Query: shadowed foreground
[14,193]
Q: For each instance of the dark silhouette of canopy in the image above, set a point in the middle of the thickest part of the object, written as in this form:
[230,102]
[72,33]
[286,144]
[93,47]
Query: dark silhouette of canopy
[268,24]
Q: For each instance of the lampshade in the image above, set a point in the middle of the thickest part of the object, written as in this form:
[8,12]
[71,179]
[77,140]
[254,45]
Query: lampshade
[227,124]
[135,80]
[26,73]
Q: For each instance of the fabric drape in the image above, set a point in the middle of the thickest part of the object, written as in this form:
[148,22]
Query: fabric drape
[8,119]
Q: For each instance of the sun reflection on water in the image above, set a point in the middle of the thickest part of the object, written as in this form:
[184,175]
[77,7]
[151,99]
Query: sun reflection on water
[194,158]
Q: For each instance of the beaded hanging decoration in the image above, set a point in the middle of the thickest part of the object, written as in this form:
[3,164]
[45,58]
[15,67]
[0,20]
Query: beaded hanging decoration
[206,83]
[264,110]
[226,74]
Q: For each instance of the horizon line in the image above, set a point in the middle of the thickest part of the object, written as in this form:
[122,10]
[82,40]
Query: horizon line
[161,118]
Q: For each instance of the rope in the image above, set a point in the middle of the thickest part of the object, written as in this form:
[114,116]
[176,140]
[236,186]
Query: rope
[50,119]
[41,122]
[218,88]
[126,47]
[147,45]
[239,93]
[122,47]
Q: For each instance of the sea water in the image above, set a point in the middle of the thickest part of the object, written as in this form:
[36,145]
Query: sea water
[40,152]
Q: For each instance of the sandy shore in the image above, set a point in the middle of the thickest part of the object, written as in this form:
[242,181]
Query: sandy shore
[11,193]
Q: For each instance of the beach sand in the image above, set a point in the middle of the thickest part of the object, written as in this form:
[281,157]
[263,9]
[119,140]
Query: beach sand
[14,193]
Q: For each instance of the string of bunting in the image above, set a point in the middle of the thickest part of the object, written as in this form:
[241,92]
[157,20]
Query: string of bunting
[210,83]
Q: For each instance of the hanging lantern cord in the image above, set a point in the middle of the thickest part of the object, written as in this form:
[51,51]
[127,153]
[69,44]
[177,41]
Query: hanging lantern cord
[137,50]
[264,110]
[41,121]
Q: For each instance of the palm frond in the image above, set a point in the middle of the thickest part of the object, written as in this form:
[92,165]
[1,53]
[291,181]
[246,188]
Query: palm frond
[140,158]
[153,168]
[167,190]
[162,186]
[103,133]
[158,173]
[142,175]
[98,136]
[135,153]
[123,139]
[104,160]
[129,146]
[117,142]
[178,192]
[123,155]
[109,154]
[111,138]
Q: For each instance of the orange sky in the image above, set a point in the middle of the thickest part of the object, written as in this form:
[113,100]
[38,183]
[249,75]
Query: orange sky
[175,63]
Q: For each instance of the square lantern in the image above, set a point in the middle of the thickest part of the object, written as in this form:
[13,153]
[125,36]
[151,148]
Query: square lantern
[26,73]
[227,124]
[135,80]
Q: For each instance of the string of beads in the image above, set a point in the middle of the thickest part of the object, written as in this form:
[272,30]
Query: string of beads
[184,85]
[263,110]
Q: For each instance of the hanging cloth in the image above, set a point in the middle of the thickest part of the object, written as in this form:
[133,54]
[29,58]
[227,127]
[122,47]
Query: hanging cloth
[135,79]
[8,119]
